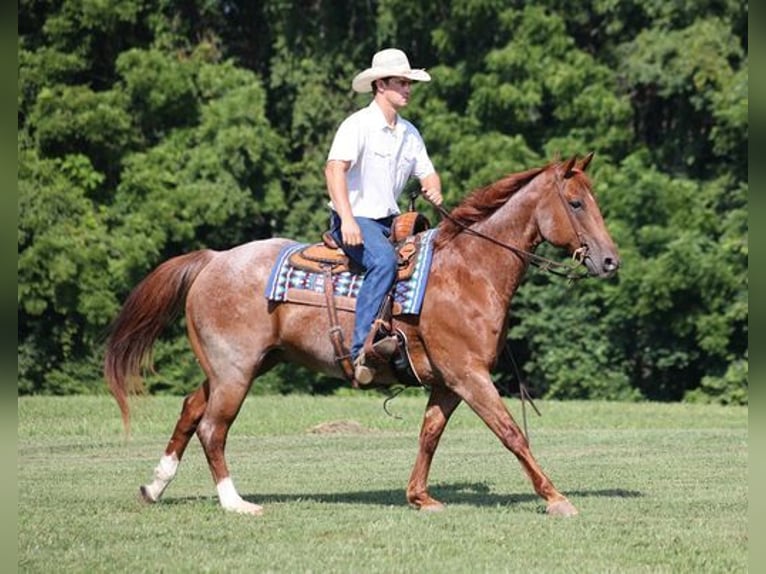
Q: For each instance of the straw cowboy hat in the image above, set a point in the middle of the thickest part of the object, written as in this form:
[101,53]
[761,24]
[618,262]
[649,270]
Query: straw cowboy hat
[386,63]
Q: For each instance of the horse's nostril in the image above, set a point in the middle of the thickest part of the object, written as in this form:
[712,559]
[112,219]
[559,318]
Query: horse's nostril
[611,264]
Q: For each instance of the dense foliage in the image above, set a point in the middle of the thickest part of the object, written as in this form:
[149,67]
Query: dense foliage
[150,128]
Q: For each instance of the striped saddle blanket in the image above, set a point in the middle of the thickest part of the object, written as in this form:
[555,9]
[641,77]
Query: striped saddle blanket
[288,283]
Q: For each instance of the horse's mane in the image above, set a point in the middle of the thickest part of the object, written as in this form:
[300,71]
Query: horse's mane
[483,202]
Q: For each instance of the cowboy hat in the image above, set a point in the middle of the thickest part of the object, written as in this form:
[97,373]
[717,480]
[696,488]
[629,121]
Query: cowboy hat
[387,63]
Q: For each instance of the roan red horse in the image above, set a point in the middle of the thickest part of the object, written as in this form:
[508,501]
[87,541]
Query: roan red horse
[482,250]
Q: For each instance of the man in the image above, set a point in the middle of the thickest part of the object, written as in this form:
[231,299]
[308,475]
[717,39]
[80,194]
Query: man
[373,154]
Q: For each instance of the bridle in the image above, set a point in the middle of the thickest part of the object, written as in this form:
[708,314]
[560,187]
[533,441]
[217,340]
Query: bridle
[581,252]
[567,270]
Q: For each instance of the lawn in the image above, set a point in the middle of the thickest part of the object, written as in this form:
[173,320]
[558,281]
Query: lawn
[660,488]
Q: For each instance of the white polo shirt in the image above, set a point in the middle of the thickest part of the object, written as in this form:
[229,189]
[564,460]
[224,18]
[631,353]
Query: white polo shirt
[382,160]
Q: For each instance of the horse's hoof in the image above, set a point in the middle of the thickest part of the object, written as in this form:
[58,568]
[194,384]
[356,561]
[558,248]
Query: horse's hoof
[144,496]
[434,506]
[427,505]
[561,508]
[245,507]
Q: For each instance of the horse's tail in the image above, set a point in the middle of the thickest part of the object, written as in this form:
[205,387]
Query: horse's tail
[149,308]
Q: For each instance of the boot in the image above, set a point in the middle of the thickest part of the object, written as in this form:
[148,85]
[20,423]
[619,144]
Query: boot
[378,353]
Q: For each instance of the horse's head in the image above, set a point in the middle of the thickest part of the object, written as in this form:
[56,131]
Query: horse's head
[569,217]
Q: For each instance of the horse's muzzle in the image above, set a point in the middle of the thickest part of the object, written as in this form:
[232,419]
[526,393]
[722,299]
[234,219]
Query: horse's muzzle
[608,267]
[603,267]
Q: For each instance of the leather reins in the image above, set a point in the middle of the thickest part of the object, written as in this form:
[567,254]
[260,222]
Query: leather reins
[568,271]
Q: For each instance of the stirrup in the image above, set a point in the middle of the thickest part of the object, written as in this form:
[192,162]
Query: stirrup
[381,350]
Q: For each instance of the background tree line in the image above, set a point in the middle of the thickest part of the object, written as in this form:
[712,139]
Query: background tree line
[154,127]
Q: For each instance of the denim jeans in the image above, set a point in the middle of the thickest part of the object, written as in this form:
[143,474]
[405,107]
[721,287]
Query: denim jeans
[378,259]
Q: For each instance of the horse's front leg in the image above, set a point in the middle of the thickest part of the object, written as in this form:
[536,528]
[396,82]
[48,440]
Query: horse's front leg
[478,391]
[441,404]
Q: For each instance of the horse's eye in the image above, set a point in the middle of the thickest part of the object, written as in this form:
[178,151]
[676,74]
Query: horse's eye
[575,203]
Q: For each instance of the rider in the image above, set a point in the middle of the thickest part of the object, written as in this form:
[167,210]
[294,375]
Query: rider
[373,154]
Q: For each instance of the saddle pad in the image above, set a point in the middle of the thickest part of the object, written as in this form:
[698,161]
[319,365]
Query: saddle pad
[408,294]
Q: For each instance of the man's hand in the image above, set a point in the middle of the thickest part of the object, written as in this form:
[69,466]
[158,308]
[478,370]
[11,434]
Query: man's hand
[349,230]
[433,195]
[431,188]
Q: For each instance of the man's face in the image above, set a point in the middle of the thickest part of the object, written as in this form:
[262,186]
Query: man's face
[397,91]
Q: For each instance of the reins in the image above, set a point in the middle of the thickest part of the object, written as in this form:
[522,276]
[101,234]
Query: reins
[568,271]
[524,395]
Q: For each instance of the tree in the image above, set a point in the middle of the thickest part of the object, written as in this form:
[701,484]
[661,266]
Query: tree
[150,128]
[176,154]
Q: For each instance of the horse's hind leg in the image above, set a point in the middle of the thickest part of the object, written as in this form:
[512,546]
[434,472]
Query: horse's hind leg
[223,406]
[191,413]
[441,405]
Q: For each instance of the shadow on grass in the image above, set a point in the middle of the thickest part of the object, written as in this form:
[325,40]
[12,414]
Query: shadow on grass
[469,493]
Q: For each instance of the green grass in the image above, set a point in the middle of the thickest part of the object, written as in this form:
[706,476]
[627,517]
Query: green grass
[660,488]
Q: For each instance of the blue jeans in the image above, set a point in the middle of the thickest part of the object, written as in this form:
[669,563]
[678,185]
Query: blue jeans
[379,260]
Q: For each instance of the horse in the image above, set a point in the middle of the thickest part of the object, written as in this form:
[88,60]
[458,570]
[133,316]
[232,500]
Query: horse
[483,248]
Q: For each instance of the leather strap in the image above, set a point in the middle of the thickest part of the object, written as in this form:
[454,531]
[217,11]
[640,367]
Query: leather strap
[381,326]
[342,354]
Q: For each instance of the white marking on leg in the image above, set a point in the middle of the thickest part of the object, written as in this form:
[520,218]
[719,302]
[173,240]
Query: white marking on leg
[231,500]
[164,472]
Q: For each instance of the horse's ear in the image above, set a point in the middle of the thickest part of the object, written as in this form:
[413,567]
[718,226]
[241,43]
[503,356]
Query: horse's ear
[568,167]
[586,161]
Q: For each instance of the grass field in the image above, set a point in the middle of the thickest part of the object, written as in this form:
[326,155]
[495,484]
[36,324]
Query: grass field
[660,488]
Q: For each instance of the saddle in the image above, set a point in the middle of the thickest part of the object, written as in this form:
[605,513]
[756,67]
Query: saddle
[327,257]
[327,254]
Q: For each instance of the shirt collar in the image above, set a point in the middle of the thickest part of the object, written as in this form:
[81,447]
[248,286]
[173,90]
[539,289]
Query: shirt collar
[380,119]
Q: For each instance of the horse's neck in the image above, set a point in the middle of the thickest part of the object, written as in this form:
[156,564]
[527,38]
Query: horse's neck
[513,226]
